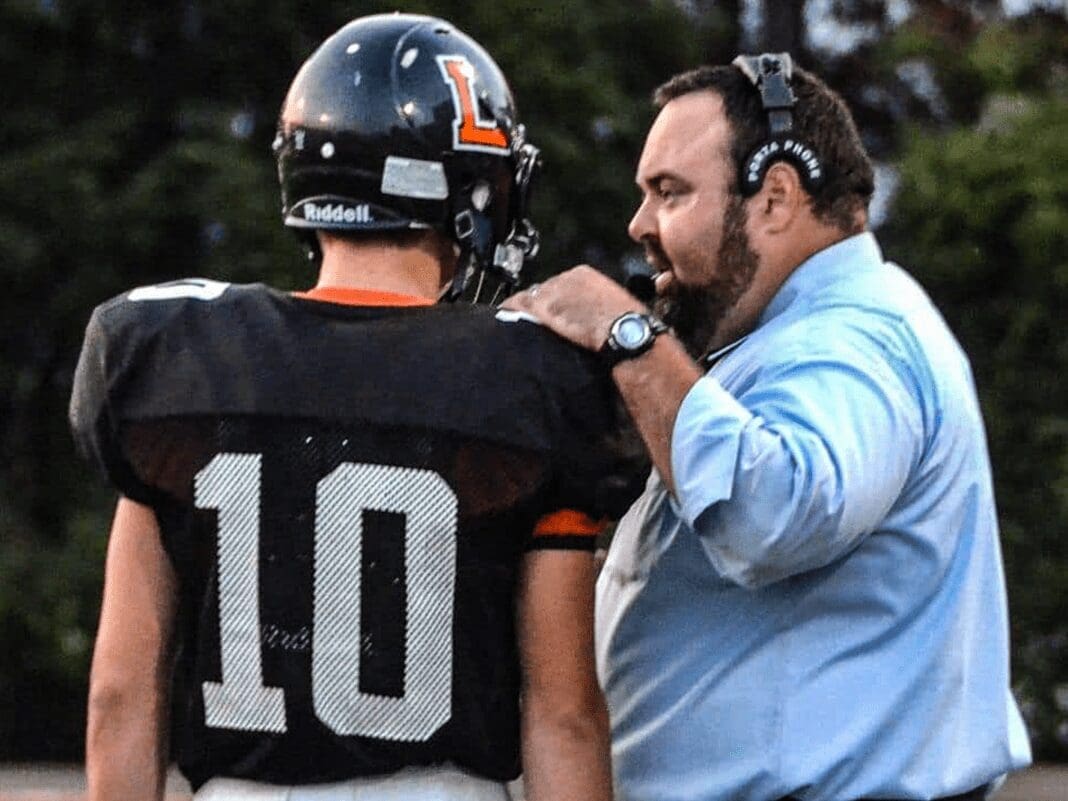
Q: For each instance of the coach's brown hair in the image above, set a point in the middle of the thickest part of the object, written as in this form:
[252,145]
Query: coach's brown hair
[820,118]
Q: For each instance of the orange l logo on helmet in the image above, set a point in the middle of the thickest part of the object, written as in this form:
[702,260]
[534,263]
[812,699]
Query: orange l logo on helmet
[469,131]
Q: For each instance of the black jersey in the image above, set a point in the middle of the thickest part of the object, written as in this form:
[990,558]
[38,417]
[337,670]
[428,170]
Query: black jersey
[346,494]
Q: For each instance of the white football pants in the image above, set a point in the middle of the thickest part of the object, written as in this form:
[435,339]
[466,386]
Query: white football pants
[441,783]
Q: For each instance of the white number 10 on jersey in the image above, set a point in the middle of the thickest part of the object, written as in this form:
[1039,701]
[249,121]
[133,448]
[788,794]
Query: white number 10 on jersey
[230,484]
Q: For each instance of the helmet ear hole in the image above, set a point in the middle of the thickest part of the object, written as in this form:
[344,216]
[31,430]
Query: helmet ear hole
[426,138]
[464,225]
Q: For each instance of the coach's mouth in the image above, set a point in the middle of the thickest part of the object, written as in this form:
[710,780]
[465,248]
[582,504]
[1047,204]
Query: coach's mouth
[664,281]
[659,263]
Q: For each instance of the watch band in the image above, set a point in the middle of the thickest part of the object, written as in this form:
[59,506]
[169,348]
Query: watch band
[614,350]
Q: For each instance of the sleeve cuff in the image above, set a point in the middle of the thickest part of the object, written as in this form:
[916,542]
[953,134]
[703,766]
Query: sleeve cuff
[705,444]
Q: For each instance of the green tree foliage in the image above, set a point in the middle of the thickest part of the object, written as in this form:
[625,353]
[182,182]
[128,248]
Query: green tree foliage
[134,148]
[981,216]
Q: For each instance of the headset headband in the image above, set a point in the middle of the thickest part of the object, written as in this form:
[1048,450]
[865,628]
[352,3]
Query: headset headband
[771,73]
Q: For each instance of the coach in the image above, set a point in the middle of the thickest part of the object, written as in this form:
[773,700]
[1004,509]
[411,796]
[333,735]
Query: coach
[808,601]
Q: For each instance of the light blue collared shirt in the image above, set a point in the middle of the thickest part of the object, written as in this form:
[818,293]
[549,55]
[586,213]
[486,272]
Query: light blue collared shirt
[820,611]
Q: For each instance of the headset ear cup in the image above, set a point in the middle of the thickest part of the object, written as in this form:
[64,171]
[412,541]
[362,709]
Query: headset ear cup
[752,174]
[808,163]
[788,149]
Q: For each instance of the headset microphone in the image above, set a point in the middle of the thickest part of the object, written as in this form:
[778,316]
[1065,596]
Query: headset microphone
[640,280]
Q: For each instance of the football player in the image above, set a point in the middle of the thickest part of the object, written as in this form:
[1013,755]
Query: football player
[353,546]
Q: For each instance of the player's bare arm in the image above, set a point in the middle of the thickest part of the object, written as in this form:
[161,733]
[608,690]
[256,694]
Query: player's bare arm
[126,741]
[580,305]
[565,722]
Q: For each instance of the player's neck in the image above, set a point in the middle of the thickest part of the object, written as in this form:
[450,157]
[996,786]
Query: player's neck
[382,267]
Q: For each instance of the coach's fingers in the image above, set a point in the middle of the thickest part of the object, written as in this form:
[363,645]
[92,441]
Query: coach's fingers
[520,301]
[579,304]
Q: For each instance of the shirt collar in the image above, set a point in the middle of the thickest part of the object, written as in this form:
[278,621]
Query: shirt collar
[709,359]
[843,259]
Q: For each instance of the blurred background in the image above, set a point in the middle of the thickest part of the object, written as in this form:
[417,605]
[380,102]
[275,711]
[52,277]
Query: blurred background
[134,148]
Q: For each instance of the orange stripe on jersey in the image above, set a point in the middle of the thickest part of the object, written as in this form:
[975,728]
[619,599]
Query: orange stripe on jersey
[351,296]
[568,523]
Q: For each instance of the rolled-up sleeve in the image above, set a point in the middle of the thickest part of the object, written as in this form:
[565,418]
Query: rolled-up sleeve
[789,474]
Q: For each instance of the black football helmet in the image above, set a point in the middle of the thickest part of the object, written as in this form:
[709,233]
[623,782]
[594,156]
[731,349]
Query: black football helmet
[400,121]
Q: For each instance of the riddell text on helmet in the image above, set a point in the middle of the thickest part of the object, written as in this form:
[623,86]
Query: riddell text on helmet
[337,213]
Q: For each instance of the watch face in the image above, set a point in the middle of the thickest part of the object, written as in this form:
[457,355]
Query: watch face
[632,332]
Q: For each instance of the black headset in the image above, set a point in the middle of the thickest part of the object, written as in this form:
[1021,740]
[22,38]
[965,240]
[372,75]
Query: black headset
[771,73]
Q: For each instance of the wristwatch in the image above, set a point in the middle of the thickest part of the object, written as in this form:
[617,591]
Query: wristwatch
[631,334]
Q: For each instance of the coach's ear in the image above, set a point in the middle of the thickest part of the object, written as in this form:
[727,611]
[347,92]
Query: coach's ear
[780,200]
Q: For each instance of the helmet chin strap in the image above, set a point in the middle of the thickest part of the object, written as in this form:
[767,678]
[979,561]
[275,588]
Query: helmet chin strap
[465,269]
[473,231]
[508,260]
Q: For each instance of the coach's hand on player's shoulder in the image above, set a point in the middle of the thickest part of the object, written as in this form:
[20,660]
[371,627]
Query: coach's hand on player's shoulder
[579,305]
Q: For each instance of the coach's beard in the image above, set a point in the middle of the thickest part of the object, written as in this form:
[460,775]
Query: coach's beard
[695,312]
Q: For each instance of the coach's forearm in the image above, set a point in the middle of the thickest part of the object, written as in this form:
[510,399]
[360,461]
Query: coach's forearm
[653,387]
[580,305]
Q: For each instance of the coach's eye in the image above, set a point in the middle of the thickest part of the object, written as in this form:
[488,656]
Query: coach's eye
[667,191]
